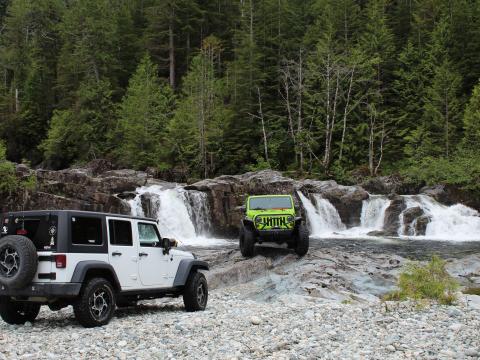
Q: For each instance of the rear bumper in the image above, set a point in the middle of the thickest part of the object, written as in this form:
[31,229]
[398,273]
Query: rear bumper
[47,290]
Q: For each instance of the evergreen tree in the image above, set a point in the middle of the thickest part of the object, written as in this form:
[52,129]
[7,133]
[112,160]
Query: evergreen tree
[80,133]
[409,89]
[377,43]
[471,121]
[196,130]
[29,45]
[439,131]
[143,116]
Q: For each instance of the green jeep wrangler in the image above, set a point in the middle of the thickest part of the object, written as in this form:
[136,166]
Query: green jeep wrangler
[272,218]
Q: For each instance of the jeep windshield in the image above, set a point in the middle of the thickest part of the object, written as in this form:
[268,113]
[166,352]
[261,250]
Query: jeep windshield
[270,203]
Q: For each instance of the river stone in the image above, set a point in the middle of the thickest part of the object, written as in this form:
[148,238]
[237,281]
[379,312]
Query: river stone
[409,216]
[421,225]
[391,223]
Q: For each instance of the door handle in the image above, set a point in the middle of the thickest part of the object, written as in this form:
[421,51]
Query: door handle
[143,254]
[116,253]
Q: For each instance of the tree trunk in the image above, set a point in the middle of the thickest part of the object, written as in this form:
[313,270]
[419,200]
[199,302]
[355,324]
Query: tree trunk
[345,112]
[17,101]
[300,104]
[260,113]
[171,49]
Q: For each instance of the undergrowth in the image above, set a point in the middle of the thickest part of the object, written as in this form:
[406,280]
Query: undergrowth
[425,282]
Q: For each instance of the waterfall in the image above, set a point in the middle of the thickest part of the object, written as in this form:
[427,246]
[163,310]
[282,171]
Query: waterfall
[452,223]
[373,212]
[323,218]
[456,223]
[181,214]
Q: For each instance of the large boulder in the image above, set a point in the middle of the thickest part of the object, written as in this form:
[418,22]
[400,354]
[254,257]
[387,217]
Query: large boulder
[421,225]
[450,195]
[93,188]
[391,223]
[227,194]
[348,200]
[409,217]
[391,184]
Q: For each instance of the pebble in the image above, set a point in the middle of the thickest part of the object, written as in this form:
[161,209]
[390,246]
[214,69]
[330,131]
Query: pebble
[472,353]
[456,327]
[255,320]
[454,312]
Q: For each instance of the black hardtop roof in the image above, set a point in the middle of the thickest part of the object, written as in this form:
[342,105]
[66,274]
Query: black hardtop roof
[74,212]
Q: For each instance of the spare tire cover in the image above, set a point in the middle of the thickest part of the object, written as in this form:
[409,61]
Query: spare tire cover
[18,261]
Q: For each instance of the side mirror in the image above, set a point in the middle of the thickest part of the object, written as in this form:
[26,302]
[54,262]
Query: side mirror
[167,244]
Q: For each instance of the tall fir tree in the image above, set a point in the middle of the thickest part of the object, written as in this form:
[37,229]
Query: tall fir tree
[29,45]
[143,116]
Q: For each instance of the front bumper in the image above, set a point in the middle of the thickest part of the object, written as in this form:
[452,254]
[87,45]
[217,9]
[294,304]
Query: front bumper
[46,290]
[275,235]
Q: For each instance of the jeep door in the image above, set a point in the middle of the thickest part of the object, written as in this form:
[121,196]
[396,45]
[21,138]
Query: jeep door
[123,252]
[155,267]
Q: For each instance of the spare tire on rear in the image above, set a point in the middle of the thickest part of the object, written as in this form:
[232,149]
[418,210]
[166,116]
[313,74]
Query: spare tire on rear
[18,261]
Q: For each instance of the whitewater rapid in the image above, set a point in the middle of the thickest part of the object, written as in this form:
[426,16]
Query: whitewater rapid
[450,223]
[181,214]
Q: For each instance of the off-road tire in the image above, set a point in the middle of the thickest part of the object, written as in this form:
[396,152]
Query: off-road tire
[301,240]
[247,242]
[18,313]
[25,259]
[89,297]
[195,294]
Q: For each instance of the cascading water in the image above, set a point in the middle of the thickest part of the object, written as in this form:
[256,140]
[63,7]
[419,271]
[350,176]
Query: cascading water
[323,218]
[181,214]
[452,223]
[373,212]
[455,223]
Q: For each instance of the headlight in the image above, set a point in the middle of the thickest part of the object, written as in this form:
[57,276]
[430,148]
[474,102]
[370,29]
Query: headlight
[258,220]
[290,218]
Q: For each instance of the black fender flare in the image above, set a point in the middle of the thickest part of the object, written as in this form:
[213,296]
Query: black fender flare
[83,267]
[298,222]
[185,267]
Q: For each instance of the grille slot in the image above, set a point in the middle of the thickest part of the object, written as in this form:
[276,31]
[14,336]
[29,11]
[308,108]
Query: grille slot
[274,221]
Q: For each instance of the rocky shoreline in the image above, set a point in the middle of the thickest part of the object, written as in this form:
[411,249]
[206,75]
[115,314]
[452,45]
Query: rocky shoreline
[287,327]
[99,187]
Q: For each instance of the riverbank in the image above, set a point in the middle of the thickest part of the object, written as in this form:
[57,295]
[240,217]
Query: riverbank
[232,327]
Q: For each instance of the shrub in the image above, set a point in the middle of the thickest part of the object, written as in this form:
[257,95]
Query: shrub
[9,182]
[426,282]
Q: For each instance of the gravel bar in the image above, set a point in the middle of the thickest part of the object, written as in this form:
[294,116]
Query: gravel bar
[291,327]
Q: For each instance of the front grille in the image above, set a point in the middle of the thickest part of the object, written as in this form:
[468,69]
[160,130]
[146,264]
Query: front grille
[270,221]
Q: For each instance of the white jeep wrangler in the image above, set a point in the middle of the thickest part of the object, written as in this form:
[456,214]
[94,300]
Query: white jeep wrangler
[92,261]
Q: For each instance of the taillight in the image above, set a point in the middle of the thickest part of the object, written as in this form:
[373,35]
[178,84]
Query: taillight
[22,232]
[61,261]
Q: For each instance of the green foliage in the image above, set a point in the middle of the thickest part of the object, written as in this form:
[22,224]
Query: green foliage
[143,116]
[8,180]
[471,121]
[316,87]
[260,165]
[426,282]
[461,169]
[80,133]
[196,130]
